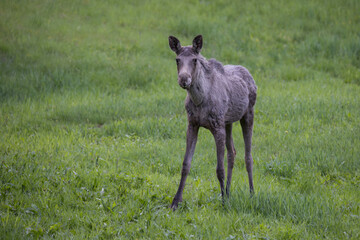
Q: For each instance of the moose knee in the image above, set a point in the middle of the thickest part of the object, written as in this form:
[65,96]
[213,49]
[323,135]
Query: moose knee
[220,172]
[231,159]
[249,163]
[185,169]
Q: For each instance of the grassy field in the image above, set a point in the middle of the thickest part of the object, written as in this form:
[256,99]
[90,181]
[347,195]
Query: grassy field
[92,120]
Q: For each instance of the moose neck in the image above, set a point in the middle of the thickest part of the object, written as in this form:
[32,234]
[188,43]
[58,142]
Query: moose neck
[199,88]
[196,94]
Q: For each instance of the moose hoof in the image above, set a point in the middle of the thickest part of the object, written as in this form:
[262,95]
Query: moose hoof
[252,192]
[174,206]
[175,203]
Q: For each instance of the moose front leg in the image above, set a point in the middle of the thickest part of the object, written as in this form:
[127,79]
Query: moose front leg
[191,138]
[219,135]
[231,153]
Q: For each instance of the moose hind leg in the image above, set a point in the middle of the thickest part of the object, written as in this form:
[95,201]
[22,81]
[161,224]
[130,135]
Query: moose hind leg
[231,153]
[247,129]
[219,135]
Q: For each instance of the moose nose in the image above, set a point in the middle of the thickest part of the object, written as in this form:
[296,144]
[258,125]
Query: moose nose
[184,81]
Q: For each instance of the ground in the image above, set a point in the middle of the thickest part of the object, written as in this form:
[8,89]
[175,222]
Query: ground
[93,124]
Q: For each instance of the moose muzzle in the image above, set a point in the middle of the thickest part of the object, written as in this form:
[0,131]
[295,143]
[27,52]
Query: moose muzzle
[184,81]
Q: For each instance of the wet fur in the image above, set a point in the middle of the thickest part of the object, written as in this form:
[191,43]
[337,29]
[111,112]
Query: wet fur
[218,96]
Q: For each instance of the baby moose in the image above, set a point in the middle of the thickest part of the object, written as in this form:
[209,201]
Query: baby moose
[217,96]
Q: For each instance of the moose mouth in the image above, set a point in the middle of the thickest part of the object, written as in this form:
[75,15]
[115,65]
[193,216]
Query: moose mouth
[185,84]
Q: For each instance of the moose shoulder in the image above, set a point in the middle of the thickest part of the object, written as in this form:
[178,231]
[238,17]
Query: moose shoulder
[217,96]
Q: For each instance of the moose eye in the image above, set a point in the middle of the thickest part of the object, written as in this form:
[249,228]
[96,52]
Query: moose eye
[177,61]
[194,61]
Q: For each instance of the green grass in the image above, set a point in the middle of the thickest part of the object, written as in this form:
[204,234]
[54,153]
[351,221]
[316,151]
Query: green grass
[92,121]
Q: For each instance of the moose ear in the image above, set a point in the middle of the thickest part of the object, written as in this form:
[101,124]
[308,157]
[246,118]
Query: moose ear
[197,43]
[174,44]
